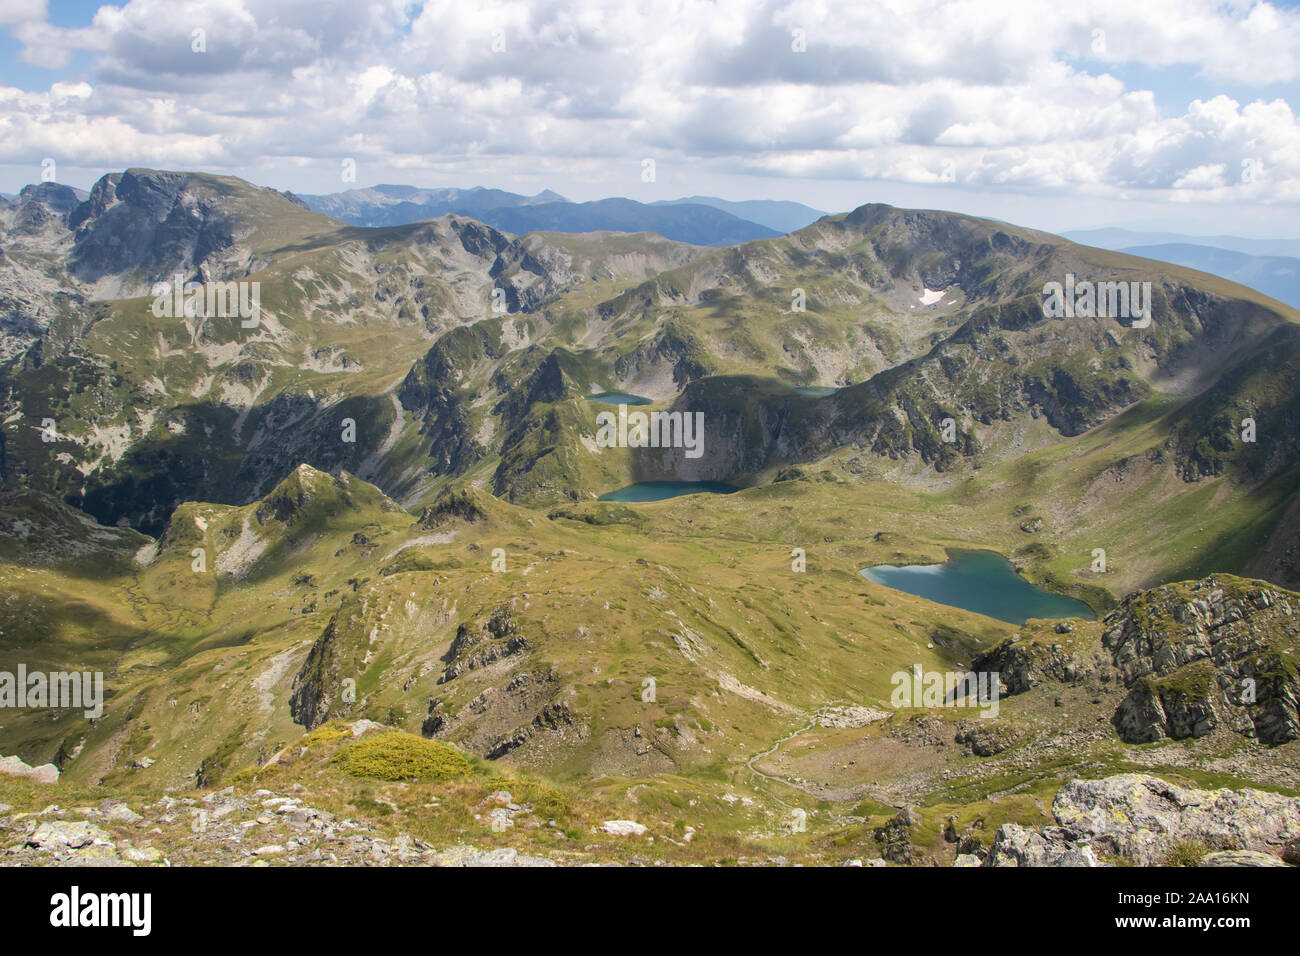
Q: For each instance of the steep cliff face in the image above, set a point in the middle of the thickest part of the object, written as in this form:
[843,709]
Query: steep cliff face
[142,226]
[318,689]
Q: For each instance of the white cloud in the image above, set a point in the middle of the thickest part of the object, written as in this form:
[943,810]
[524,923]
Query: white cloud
[1024,93]
[21,11]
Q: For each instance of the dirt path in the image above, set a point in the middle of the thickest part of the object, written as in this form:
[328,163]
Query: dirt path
[831,794]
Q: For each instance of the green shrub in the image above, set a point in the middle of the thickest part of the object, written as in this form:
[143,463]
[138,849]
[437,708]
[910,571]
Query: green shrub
[400,756]
[327,733]
[1186,853]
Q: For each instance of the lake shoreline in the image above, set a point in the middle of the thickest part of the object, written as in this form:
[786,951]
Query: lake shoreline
[981,581]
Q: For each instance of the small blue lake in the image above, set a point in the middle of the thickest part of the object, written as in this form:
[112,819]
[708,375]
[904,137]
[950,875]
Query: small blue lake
[816,391]
[662,490]
[619,398]
[979,581]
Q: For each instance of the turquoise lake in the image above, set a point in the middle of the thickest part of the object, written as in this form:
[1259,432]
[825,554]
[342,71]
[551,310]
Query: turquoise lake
[979,581]
[662,490]
[817,391]
[618,398]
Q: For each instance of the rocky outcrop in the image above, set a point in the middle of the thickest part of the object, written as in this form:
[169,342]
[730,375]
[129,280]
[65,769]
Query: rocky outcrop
[895,837]
[1143,818]
[451,507]
[525,711]
[473,647]
[986,738]
[554,717]
[1021,664]
[1207,654]
[318,690]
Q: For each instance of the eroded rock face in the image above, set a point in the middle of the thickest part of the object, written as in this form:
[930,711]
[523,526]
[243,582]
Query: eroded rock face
[555,717]
[477,647]
[1200,656]
[312,696]
[1143,818]
[504,718]
[150,218]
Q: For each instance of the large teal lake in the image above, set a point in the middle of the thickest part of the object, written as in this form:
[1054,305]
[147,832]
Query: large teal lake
[979,581]
[661,490]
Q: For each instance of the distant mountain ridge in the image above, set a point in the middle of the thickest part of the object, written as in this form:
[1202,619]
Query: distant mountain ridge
[1271,266]
[698,220]
[698,225]
[782,215]
[1278,276]
[397,205]
[701,221]
[1118,240]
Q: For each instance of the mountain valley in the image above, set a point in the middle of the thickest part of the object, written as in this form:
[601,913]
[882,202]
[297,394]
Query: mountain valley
[377,500]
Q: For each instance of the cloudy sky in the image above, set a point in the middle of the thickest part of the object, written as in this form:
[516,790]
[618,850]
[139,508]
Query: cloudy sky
[1175,114]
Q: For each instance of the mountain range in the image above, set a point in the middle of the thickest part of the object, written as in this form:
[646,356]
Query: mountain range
[1114,238]
[700,220]
[1269,265]
[385,500]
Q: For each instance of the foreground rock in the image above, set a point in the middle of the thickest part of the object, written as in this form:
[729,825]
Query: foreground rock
[469,856]
[1145,820]
[15,767]
[1240,858]
[1019,846]
[222,828]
